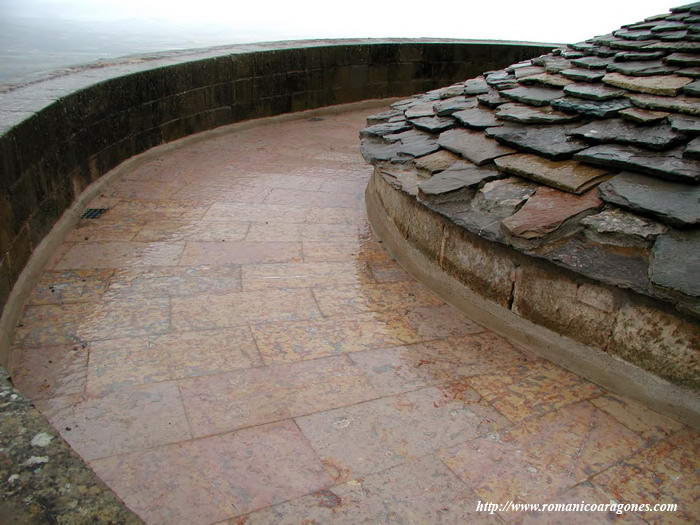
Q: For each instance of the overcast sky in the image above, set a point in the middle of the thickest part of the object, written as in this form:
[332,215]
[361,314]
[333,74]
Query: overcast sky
[36,35]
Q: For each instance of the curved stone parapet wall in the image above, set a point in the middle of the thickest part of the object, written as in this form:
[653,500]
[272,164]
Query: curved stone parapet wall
[624,341]
[60,134]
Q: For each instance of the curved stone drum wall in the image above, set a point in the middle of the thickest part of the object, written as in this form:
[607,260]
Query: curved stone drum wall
[60,134]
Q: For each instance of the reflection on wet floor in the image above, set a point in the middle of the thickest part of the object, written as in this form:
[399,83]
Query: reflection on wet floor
[229,340]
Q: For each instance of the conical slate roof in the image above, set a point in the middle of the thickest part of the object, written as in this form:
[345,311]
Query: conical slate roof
[588,156]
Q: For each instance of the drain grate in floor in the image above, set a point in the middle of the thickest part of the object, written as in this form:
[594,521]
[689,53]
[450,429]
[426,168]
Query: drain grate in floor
[93,213]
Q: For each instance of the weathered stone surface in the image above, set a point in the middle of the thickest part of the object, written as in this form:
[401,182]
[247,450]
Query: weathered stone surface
[547,80]
[678,104]
[585,75]
[658,341]
[675,263]
[670,202]
[641,68]
[535,96]
[433,124]
[567,175]
[692,47]
[374,151]
[552,64]
[667,165]
[593,91]
[438,161]
[692,150]
[621,228]
[385,128]
[449,91]
[693,72]
[674,35]
[643,116]
[419,110]
[503,197]
[528,71]
[638,55]
[658,137]
[492,99]
[384,116]
[683,59]
[477,118]
[550,141]
[455,184]
[621,43]
[475,87]
[415,143]
[591,108]
[591,62]
[501,80]
[634,35]
[667,85]
[449,106]
[546,210]
[472,145]
[692,89]
[690,125]
[525,114]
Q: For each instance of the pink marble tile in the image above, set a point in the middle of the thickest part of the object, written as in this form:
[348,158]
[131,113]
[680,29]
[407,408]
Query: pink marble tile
[239,252]
[204,312]
[120,254]
[243,398]
[372,436]
[191,230]
[127,420]
[49,371]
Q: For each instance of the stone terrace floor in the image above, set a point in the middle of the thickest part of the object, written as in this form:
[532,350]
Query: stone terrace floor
[229,342]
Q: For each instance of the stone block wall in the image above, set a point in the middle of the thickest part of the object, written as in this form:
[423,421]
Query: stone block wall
[62,133]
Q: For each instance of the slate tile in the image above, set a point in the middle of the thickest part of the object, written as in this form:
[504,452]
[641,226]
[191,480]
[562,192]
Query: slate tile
[675,264]
[668,85]
[656,137]
[524,114]
[535,96]
[455,184]
[584,75]
[472,145]
[692,150]
[672,203]
[549,141]
[567,175]
[643,116]
[641,68]
[449,106]
[591,108]
[667,165]
[677,104]
[593,91]
[477,118]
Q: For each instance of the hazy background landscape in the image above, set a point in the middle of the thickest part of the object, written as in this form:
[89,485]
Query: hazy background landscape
[37,36]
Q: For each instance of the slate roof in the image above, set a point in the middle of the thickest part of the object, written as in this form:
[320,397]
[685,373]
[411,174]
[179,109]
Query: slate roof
[588,156]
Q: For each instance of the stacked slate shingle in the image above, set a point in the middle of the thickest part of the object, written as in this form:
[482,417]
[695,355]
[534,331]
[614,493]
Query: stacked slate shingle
[588,156]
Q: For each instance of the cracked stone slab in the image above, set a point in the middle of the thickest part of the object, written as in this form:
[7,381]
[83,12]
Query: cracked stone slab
[434,162]
[491,99]
[584,75]
[450,105]
[547,80]
[419,110]
[472,145]
[546,210]
[692,89]
[692,149]
[641,68]
[591,108]
[677,104]
[549,141]
[592,62]
[384,128]
[477,118]
[672,203]
[475,87]
[668,85]
[667,165]
[525,114]
[456,184]
[593,91]
[567,175]
[534,96]
[657,137]
[433,124]
[686,124]
[683,59]
[501,198]
[675,263]
[643,116]
[622,228]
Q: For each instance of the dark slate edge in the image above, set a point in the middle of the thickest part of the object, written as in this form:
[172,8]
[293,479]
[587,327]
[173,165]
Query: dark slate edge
[56,486]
